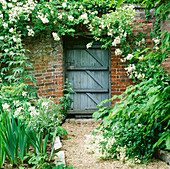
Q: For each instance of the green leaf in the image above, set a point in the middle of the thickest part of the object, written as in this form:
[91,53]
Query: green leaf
[119,3]
[168,142]
[112,2]
[153,90]
[152,100]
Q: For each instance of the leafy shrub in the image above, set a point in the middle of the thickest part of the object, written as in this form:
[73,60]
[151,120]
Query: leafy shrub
[140,118]
[24,121]
[65,101]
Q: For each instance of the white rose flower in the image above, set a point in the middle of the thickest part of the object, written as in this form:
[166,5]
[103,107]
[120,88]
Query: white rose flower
[84,16]
[109,33]
[118,52]
[125,34]
[60,16]
[6,50]
[129,57]
[143,40]
[44,20]
[70,17]
[5,25]
[88,45]
[30,32]
[24,94]
[11,30]
[139,76]
[55,36]
[64,5]
[114,43]
[10,5]
[1,38]
[157,40]
[122,60]
[81,6]
[86,21]
[139,125]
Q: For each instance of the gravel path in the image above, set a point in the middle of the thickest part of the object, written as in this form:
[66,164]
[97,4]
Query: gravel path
[76,156]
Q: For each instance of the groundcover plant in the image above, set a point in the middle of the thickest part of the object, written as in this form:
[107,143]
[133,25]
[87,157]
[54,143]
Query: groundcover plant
[23,116]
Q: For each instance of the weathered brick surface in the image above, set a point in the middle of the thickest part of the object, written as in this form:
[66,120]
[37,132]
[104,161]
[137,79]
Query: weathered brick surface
[119,78]
[47,58]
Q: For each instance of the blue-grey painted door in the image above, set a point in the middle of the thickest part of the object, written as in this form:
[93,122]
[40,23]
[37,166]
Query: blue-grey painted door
[88,71]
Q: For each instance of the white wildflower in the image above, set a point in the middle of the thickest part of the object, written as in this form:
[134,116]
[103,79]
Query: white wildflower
[34,113]
[114,43]
[16,102]
[86,21]
[17,111]
[24,94]
[1,15]
[156,40]
[141,57]
[96,39]
[45,104]
[31,108]
[156,48]
[122,60]
[5,106]
[139,76]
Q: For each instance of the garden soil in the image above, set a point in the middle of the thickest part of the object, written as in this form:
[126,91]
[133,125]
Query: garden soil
[76,155]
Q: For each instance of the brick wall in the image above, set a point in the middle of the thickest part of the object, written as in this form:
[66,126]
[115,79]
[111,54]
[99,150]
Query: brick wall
[48,61]
[119,78]
[47,58]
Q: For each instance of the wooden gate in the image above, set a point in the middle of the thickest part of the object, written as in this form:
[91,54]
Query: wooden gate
[88,71]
